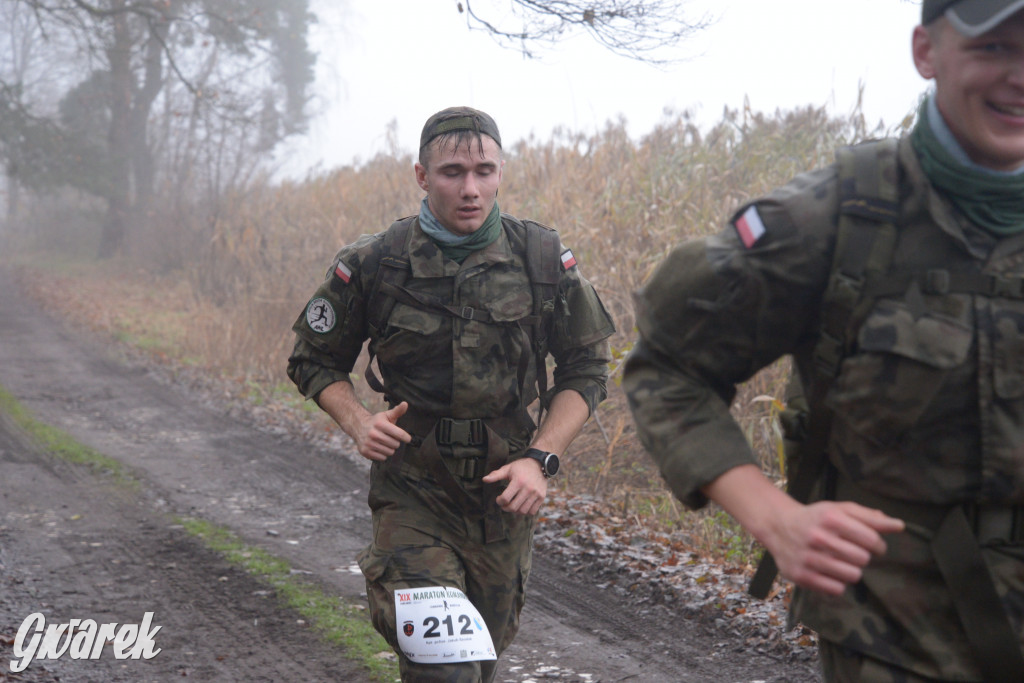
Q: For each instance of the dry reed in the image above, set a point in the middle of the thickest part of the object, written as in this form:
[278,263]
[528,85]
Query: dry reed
[245,268]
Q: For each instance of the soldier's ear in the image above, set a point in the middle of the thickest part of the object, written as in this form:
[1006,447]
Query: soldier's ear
[421,177]
[923,50]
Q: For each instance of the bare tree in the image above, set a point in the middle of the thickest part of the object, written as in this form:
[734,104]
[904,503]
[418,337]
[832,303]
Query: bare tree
[226,67]
[638,29]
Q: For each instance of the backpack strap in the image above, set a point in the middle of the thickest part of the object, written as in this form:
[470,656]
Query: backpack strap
[865,241]
[543,266]
[392,271]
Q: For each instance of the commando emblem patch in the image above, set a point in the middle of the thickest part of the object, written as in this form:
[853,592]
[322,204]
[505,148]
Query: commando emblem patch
[320,315]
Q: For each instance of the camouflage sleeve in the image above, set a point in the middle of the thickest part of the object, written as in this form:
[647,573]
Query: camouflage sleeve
[716,311]
[579,337]
[332,328]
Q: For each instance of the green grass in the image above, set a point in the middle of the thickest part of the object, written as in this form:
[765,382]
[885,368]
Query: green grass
[337,622]
[60,444]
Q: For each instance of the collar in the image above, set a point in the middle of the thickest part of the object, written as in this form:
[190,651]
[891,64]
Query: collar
[924,197]
[426,259]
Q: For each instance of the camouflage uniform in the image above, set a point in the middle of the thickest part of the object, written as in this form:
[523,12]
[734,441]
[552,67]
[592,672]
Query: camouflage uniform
[928,409]
[468,383]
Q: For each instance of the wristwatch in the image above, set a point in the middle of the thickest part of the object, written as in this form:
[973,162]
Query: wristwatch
[548,461]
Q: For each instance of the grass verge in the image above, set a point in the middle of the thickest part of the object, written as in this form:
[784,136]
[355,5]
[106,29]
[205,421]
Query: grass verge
[337,622]
[60,444]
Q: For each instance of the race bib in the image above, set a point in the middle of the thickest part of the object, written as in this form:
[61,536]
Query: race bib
[439,625]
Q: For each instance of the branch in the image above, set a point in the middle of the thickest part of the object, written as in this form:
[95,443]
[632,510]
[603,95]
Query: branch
[638,29]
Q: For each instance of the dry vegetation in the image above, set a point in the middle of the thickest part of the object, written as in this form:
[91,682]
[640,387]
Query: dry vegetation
[219,285]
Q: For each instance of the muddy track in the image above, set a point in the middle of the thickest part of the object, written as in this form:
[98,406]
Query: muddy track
[68,542]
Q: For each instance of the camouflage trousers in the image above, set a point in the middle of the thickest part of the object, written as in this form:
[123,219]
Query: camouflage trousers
[421,537]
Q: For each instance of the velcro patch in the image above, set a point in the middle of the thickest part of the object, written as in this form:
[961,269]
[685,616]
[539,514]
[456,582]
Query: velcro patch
[568,260]
[750,227]
[343,272]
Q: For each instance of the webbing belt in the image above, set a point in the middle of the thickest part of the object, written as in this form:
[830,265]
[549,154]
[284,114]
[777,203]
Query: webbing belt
[487,449]
[941,281]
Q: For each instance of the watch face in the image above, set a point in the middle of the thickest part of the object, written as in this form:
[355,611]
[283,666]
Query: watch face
[551,465]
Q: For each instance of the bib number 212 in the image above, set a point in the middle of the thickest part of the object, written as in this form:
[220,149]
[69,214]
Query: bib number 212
[439,625]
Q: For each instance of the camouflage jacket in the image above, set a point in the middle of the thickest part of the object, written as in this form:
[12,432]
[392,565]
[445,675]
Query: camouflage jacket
[443,365]
[928,408]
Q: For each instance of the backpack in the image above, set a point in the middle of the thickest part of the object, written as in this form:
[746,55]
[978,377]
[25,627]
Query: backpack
[538,245]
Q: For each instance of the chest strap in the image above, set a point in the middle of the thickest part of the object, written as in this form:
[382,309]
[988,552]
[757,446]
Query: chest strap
[941,281]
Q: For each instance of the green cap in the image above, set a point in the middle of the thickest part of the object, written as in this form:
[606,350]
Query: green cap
[455,119]
[970,18]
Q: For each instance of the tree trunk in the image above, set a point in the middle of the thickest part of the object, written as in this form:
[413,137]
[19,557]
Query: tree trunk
[12,200]
[119,139]
[142,156]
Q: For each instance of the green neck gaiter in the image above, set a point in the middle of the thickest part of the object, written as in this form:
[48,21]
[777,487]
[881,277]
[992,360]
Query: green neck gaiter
[456,247]
[993,201]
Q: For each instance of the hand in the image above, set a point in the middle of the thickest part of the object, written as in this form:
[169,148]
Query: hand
[826,545]
[526,488]
[379,435]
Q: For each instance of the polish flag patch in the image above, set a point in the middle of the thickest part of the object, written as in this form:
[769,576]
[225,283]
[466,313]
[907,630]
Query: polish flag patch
[343,272]
[568,260]
[749,226]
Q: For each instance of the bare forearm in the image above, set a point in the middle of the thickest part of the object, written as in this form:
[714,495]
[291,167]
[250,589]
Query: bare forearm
[340,402]
[751,498]
[564,420]
[823,546]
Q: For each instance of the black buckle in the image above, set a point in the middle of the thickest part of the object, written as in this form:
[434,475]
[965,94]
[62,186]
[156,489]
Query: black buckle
[996,523]
[455,432]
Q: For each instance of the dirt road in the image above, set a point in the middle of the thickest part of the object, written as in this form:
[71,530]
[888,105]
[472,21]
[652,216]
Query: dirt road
[74,546]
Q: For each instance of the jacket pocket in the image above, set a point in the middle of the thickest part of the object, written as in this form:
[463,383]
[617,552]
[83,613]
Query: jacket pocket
[900,364]
[413,338]
[1008,348]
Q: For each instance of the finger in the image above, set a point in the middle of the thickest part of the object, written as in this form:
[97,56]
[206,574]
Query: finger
[527,501]
[822,584]
[819,572]
[878,520]
[497,475]
[385,440]
[868,525]
[855,549]
[835,569]
[508,496]
[393,432]
[398,411]
[371,454]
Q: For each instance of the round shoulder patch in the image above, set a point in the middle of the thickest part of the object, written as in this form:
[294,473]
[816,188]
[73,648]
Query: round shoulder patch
[320,315]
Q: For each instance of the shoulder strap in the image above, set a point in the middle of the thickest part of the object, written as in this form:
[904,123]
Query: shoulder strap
[393,268]
[542,265]
[392,271]
[865,241]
